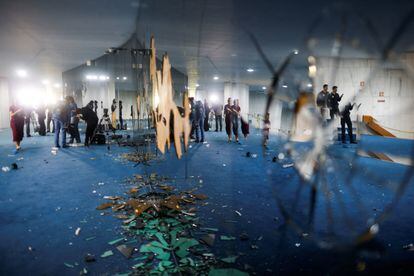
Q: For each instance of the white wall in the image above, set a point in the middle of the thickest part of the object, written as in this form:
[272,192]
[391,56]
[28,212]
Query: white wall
[257,107]
[100,91]
[4,103]
[128,98]
[366,79]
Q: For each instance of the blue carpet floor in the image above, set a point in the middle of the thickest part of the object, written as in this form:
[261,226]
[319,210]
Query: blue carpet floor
[50,196]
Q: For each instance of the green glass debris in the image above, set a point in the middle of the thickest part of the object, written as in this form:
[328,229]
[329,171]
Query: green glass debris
[227,238]
[115,241]
[227,272]
[107,254]
[230,259]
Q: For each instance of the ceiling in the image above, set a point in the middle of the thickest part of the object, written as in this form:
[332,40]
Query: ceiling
[204,38]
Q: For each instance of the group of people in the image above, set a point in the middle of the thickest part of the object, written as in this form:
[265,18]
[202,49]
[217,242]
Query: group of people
[200,119]
[22,118]
[328,104]
[64,116]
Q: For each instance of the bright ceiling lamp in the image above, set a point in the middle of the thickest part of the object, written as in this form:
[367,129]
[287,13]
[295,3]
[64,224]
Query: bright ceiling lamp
[124,78]
[285,86]
[250,70]
[57,85]
[91,77]
[21,73]
[45,82]
[216,78]
[264,87]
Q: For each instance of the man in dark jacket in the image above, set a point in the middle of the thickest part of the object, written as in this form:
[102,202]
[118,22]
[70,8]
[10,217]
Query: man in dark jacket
[89,116]
[334,100]
[322,101]
[346,119]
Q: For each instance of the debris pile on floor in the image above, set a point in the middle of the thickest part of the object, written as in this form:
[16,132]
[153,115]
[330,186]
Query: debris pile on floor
[162,231]
[139,157]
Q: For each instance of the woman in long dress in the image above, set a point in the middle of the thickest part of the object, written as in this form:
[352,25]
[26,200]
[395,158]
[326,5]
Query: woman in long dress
[17,124]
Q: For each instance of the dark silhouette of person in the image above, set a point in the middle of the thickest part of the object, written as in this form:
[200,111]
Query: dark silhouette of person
[17,124]
[206,116]
[89,116]
[334,100]
[41,117]
[121,119]
[346,119]
[228,118]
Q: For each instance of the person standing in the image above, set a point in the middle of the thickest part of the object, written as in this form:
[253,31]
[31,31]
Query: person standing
[113,110]
[17,124]
[322,101]
[206,115]
[346,119]
[235,119]
[228,118]
[61,117]
[192,117]
[218,116]
[121,120]
[41,117]
[266,129]
[74,121]
[334,100]
[89,116]
[199,121]
[27,117]
[49,115]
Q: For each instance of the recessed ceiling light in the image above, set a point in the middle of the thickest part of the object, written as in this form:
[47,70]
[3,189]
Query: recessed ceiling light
[197,85]
[309,85]
[124,78]
[296,52]
[250,70]
[215,78]
[264,87]
[284,86]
